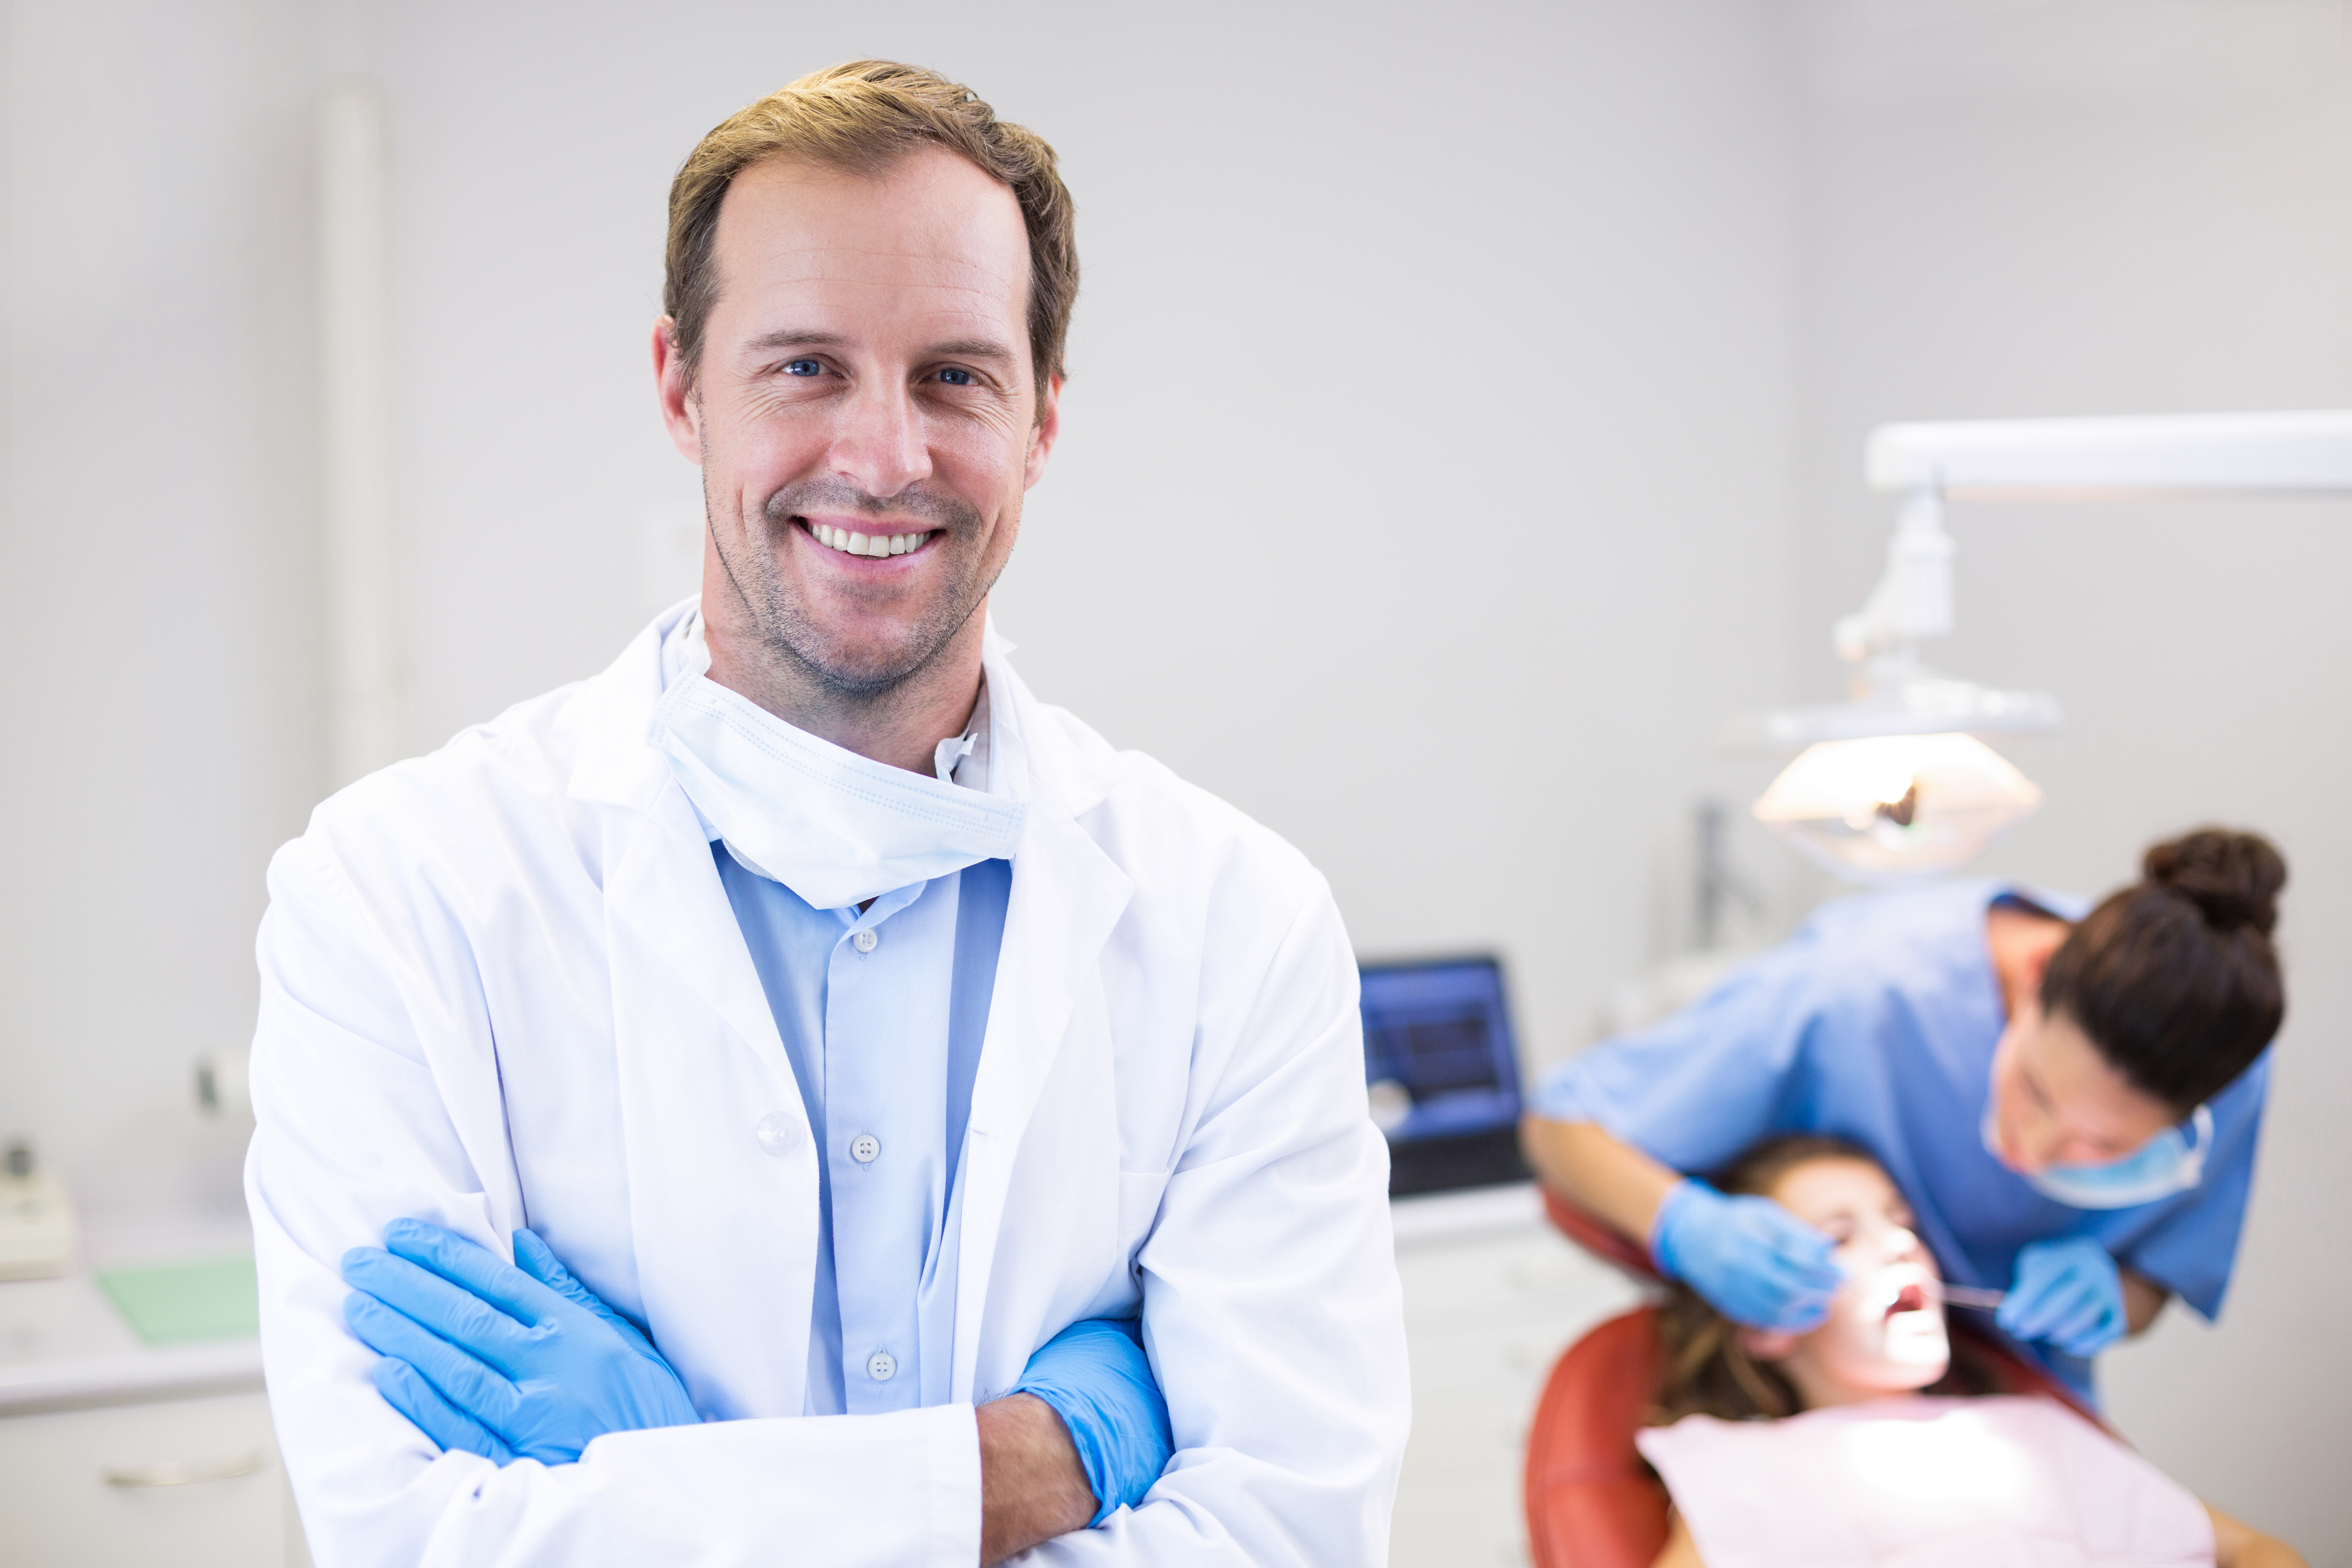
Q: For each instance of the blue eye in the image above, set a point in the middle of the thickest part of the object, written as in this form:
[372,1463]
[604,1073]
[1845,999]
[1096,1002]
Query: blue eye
[957,377]
[804,368]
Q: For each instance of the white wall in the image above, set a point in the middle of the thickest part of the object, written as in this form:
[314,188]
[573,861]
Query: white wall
[158,612]
[2127,207]
[1425,461]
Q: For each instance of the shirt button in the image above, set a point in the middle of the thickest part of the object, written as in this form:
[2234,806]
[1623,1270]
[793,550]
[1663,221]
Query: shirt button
[778,1133]
[865,940]
[866,1149]
[881,1366]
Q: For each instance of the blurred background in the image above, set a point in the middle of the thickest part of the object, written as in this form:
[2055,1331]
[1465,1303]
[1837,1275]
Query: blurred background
[1465,419]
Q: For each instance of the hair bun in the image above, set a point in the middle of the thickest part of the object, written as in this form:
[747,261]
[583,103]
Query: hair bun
[2233,878]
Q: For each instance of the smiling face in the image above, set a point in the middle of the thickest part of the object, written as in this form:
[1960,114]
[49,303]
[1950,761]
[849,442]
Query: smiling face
[1885,1333]
[866,419]
[2056,1101]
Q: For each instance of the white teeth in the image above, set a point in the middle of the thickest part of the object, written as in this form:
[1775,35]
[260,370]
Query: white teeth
[875,544]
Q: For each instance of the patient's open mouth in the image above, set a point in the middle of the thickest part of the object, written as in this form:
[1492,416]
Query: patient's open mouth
[1910,1299]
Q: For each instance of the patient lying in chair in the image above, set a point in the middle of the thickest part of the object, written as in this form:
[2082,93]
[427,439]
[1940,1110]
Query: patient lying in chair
[1865,1442]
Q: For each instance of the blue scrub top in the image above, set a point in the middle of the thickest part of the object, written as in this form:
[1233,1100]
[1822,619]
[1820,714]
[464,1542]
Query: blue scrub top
[1876,1023]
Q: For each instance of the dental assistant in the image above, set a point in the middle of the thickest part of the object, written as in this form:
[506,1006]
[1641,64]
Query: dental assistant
[2069,1100]
[793,1096]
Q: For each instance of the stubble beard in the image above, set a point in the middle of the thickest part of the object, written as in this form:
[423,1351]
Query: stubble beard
[793,639]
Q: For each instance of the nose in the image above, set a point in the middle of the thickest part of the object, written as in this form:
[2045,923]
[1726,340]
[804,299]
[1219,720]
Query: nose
[880,446]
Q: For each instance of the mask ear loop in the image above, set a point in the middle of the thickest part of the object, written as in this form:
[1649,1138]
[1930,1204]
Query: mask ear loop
[2193,1159]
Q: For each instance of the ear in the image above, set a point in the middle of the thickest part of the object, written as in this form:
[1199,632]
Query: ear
[1043,433]
[1768,1344]
[681,413]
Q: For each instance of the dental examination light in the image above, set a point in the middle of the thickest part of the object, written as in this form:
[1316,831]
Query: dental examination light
[1897,783]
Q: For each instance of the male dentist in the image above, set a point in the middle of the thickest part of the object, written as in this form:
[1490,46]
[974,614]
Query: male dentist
[855,1058]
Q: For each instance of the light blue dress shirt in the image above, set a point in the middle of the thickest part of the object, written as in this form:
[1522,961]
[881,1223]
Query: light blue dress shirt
[882,1014]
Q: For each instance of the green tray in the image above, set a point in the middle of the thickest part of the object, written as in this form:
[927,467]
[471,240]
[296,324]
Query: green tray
[215,1300]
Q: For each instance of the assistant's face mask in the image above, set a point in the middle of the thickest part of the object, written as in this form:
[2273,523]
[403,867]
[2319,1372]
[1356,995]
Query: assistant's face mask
[834,827]
[2171,1161]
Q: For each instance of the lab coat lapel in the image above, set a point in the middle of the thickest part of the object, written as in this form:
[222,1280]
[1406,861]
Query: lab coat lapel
[1068,897]
[700,1066]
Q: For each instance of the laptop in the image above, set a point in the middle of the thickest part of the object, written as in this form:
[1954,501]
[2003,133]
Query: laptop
[1443,1073]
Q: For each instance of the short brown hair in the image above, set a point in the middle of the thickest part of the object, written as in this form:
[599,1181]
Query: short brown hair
[863,117]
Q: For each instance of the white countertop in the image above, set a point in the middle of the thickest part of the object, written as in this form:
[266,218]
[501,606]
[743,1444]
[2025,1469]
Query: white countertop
[63,1344]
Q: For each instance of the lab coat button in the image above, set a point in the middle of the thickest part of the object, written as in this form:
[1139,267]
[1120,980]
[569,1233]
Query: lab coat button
[778,1133]
[881,1366]
[865,939]
[866,1149]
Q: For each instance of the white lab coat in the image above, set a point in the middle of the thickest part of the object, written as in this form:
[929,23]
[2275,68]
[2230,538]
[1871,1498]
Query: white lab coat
[502,984]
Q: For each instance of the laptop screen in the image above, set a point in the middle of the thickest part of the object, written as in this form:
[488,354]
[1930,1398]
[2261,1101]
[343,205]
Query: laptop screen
[1443,1070]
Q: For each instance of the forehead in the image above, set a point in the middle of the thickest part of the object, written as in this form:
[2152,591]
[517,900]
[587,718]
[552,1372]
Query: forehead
[930,243]
[1820,1187]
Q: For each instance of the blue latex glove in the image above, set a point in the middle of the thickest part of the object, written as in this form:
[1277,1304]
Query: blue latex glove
[2065,1293]
[1096,1377]
[1753,1260]
[515,1362]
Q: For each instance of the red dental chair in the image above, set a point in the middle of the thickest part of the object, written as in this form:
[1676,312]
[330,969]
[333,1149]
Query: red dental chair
[1590,1502]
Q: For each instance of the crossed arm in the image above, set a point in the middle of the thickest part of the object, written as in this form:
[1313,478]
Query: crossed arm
[523,1361]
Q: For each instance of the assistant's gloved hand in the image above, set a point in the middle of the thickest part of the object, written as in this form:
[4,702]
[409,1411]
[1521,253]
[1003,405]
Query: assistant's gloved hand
[2065,1293]
[516,1361]
[1096,1377]
[1753,1260]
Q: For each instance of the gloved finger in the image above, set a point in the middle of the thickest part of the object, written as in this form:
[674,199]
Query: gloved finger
[449,1311]
[473,1267]
[466,1382]
[2028,1313]
[2081,1323]
[1804,1314]
[1804,1271]
[1804,1257]
[536,1258]
[456,1433]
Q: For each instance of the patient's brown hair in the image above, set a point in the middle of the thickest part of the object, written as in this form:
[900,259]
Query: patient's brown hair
[1704,1368]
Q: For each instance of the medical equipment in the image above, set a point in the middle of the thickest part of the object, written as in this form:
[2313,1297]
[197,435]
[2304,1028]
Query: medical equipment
[38,1230]
[1095,1375]
[1966,1296]
[1892,783]
[1443,1073]
[1753,1260]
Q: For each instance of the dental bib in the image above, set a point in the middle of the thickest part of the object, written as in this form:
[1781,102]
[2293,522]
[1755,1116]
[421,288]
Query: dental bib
[2167,1164]
[834,827]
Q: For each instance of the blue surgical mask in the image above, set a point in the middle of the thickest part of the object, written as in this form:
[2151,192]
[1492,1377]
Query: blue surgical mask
[834,827]
[2171,1161]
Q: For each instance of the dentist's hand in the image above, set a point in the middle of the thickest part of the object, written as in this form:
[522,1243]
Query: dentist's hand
[1753,1260]
[1096,1377]
[2066,1293]
[505,1361]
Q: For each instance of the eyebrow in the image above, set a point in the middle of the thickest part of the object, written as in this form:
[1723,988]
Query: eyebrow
[953,348]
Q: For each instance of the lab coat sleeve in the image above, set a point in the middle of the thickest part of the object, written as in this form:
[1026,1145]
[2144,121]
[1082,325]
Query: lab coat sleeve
[364,1032]
[1695,1089]
[1271,1304]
